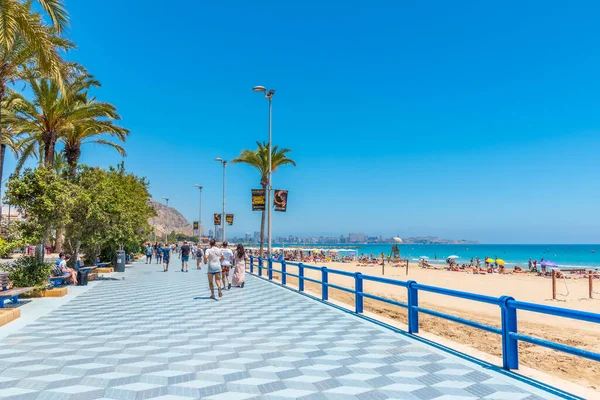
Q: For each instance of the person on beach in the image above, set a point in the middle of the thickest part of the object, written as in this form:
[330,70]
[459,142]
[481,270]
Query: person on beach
[166,255]
[226,265]
[213,257]
[530,264]
[239,270]
[185,256]
[199,255]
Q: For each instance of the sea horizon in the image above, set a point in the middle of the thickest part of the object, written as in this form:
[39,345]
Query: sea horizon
[567,256]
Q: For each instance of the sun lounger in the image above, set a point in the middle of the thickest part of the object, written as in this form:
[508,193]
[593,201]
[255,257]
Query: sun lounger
[10,294]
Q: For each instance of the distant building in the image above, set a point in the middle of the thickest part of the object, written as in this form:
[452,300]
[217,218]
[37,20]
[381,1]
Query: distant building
[248,237]
[218,235]
[210,233]
[257,237]
[357,238]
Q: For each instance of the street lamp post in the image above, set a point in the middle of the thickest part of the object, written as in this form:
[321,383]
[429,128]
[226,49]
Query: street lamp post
[224,162]
[269,96]
[199,213]
[166,233]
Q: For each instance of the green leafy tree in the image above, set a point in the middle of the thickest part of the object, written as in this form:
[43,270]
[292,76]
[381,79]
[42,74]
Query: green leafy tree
[259,159]
[44,199]
[111,208]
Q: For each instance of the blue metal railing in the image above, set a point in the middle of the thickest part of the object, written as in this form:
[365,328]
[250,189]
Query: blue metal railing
[508,306]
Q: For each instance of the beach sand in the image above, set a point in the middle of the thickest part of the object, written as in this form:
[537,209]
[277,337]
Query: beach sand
[523,287]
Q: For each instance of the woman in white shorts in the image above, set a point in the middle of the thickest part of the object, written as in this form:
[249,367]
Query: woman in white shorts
[212,258]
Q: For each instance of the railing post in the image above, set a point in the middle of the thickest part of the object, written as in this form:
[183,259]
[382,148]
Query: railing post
[358,291]
[251,264]
[324,282]
[270,269]
[283,272]
[510,346]
[413,313]
[260,260]
[301,277]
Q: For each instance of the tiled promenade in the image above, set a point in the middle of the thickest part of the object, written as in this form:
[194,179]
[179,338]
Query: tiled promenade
[157,335]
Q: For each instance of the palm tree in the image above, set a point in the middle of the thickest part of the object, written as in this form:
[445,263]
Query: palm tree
[89,131]
[71,117]
[30,45]
[259,159]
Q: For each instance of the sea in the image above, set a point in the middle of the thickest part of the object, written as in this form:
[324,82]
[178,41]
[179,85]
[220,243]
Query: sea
[566,256]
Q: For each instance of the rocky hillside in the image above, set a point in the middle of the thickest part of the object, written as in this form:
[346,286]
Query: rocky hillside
[168,220]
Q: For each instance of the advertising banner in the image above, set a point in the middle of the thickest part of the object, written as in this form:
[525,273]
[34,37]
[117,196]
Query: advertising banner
[280,200]
[217,219]
[258,199]
[229,219]
[196,225]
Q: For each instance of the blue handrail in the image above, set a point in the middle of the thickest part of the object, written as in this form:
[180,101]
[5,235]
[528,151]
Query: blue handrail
[508,306]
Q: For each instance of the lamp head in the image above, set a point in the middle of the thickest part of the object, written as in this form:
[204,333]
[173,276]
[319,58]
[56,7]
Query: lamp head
[219,159]
[259,89]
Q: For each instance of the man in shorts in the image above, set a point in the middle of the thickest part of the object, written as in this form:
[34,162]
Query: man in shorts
[185,256]
[166,255]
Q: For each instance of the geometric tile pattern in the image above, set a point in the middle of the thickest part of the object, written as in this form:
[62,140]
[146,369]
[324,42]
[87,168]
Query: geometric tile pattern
[156,335]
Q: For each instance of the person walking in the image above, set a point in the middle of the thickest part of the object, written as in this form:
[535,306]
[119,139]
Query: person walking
[226,265]
[199,255]
[159,253]
[213,257]
[166,257]
[239,270]
[185,256]
[148,253]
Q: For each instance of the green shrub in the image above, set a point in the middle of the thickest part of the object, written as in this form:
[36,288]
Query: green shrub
[28,271]
[8,246]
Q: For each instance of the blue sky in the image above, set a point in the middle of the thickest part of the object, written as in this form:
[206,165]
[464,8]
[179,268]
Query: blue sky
[456,119]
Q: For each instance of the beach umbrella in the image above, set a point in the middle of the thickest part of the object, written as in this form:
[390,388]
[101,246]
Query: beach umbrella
[397,239]
[453,257]
[489,260]
[500,261]
[548,263]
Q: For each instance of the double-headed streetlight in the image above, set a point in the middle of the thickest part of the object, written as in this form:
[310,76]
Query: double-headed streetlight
[224,162]
[269,96]
[199,213]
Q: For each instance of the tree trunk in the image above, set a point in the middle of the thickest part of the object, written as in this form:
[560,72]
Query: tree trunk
[59,240]
[3,146]
[262,232]
[2,153]
[49,140]
[72,155]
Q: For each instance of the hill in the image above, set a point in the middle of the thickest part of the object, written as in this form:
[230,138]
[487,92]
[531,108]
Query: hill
[168,219]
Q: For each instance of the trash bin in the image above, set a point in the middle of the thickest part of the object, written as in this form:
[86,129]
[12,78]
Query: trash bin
[82,278]
[120,261]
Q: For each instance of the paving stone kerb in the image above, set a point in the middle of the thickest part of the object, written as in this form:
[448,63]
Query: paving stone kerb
[157,335]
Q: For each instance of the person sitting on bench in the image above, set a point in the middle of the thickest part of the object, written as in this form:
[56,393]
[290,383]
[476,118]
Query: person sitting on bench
[62,269]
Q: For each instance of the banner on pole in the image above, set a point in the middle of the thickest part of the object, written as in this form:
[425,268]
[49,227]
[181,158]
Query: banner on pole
[258,200]
[229,219]
[217,219]
[196,225]
[280,200]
